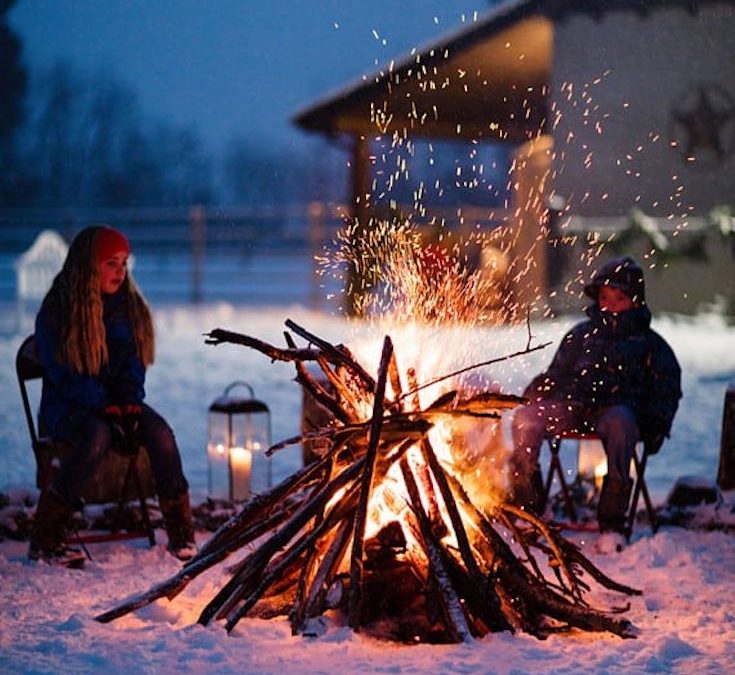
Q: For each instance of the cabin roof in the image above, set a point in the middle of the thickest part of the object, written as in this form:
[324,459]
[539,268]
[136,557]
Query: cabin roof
[487,80]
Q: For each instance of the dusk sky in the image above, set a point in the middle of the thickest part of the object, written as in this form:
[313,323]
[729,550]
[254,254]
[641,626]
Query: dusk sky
[232,67]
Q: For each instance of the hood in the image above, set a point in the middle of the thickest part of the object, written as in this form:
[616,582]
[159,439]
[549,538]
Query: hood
[622,273]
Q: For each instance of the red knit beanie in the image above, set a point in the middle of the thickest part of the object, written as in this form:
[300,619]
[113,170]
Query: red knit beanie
[109,243]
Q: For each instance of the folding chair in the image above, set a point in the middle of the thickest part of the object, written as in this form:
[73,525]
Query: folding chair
[117,475]
[639,487]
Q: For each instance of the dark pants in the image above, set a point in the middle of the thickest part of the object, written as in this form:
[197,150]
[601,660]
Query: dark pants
[615,425]
[90,438]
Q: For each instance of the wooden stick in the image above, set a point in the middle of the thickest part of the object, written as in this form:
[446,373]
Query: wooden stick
[490,362]
[314,599]
[544,529]
[451,506]
[258,558]
[455,619]
[257,505]
[376,424]
[219,336]
[345,397]
[319,393]
[394,377]
[334,354]
[342,510]
[239,530]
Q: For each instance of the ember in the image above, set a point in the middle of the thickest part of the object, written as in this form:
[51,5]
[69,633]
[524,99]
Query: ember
[383,529]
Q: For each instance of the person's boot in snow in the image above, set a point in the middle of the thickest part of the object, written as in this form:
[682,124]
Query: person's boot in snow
[611,512]
[50,526]
[179,526]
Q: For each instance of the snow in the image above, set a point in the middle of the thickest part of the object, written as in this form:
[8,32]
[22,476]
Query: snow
[685,619]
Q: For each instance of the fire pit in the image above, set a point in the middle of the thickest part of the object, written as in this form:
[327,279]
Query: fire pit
[382,531]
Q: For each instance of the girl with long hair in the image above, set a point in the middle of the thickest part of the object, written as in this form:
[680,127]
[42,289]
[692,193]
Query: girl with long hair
[95,339]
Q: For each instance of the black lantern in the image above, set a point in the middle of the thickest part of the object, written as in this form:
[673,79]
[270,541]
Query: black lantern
[239,434]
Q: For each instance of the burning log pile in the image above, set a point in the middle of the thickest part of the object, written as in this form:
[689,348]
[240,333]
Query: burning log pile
[381,529]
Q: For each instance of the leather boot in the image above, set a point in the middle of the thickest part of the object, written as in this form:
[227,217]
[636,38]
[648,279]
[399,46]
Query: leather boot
[613,506]
[179,525]
[50,527]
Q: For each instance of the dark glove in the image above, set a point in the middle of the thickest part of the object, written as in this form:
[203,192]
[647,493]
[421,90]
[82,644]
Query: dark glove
[113,414]
[124,424]
[653,445]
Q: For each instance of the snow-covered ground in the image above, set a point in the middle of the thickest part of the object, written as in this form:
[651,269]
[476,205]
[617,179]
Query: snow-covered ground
[685,619]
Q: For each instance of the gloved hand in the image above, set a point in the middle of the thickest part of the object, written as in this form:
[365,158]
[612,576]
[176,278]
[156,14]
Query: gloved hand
[124,423]
[113,414]
[653,444]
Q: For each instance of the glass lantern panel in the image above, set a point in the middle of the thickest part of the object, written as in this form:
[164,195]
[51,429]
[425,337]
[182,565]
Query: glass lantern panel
[251,431]
[218,466]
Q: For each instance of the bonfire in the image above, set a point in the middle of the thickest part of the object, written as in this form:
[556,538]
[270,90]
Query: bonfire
[381,530]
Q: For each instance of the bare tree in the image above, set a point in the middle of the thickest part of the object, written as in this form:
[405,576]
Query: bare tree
[88,143]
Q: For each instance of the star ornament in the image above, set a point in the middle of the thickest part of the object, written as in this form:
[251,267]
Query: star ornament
[703,125]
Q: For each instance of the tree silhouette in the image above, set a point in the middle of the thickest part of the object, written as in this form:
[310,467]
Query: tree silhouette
[88,143]
[13,85]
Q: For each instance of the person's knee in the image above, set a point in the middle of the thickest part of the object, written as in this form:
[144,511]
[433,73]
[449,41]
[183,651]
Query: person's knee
[618,421]
[156,432]
[97,438]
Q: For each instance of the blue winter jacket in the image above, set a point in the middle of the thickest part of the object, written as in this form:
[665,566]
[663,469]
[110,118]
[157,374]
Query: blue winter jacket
[616,360]
[121,380]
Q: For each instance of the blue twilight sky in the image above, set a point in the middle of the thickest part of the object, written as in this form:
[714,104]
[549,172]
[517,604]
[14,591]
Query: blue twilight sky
[233,67]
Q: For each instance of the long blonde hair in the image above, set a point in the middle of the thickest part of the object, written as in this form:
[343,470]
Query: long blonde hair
[75,294]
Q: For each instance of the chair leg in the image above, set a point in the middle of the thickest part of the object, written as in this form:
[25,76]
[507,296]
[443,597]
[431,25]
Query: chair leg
[123,494]
[547,485]
[132,476]
[640,487]
[556,467]
[143,505]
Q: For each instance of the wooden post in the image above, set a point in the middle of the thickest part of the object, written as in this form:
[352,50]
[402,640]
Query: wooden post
[316,211]
[528,266]
[726,470]
[198,221]
[361,192]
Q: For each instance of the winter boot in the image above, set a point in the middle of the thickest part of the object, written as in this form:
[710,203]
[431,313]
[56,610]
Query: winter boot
[50,527]
[179,526]
[613,506]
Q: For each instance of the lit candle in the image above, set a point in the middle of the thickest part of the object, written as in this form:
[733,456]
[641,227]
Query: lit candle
[600,473]
[241,460]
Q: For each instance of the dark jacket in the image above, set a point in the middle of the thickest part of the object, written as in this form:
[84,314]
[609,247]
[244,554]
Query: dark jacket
[603,362]
[616,360]
[121,380]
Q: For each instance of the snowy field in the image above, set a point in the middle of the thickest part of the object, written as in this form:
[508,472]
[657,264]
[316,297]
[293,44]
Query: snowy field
[685,619]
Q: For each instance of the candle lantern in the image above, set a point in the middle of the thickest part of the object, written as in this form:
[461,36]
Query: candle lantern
[239,433]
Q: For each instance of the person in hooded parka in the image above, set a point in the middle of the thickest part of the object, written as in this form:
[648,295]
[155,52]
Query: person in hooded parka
[612,375]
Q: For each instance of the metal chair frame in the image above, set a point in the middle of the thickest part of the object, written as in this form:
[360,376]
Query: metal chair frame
[640,487]
[28,367]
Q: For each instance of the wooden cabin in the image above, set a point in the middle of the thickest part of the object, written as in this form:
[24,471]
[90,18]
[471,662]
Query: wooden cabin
[619,116]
